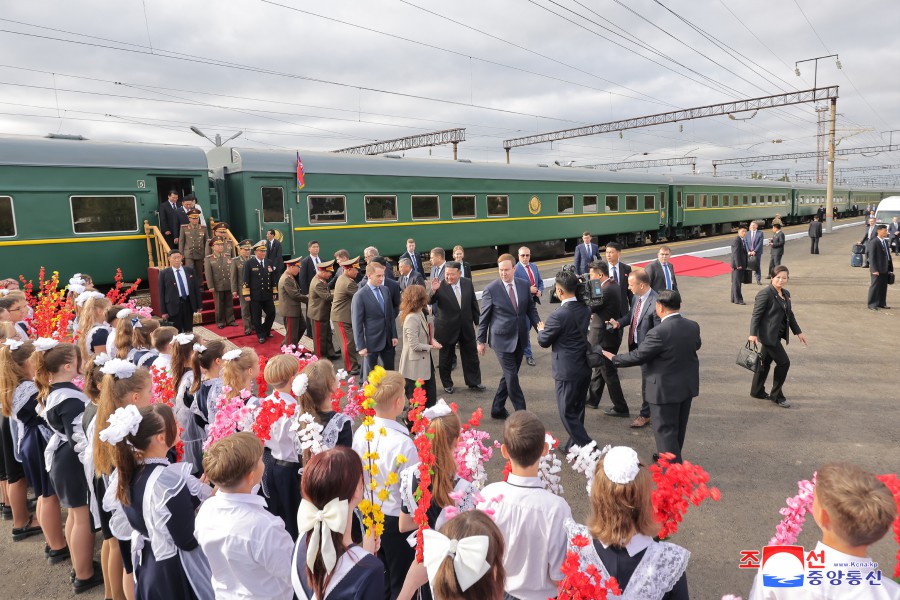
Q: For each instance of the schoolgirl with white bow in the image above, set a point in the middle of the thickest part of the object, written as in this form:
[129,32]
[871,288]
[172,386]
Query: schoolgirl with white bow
[206,365]
[315,398]
[239,370]
[62,405]
[192,434]
[326,564]
[159,501]
[622,527]
[163,339]
[123,331]
[93,330]
[142,353]
[115,314]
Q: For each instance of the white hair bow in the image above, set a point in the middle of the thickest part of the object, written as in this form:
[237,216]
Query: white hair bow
[440,409]
[184,338]
[120,368]
[75,288]
[621,464]
[102,358]
[469,556]
[85,296]
[299,385]
[13,344]
[123,313]
[232,354]
[122,423]
[334,518]
[199,348]
[44,344]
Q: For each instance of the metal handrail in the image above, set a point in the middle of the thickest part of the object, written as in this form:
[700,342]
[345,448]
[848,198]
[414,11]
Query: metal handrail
[228,235]
[157,244]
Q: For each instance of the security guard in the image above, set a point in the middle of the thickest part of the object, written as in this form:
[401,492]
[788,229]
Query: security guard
[319,312]
[344,288]
[260,287]
[218,281]
[192,242]
[237,278]
[290,307]
[220,231]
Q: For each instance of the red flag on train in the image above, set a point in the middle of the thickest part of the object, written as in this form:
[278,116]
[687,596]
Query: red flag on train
[300,182]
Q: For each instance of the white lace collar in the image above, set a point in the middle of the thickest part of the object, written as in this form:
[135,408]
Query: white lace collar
[639,542]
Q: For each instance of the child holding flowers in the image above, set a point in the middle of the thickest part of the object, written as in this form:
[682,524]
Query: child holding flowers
[315,400]
[206,367]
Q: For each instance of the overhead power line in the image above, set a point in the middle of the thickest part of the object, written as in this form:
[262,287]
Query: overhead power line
[422,140]
[644,164]
[797,155]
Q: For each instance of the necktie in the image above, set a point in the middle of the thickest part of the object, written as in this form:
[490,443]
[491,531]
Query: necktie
[530,274]
[182,288]
[316,260]
[634,320]
[884,245]
[458,294]
[512,297]
[616,273]
[379,297]
[405,281]
[413,261]
[668,278]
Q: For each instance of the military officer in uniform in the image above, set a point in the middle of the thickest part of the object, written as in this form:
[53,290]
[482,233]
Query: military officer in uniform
[192,242]
[344,289]
[218,281]
[237,278]
[290,305]
[261,289]
[220,231]
[319,311]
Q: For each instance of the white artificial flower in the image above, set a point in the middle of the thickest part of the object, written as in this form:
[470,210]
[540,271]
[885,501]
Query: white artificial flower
[299,385]
[119,367]
[122,423]
[232,355]
[44,344]
[621,465]
[440,409]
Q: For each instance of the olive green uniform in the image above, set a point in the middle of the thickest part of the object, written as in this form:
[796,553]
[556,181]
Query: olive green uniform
[192,245]
[218,281]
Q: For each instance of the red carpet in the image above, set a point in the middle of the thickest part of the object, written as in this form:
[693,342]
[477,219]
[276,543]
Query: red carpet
[235,335]
[694,266]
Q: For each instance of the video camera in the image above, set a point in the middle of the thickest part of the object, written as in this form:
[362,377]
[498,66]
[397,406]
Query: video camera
[588,291]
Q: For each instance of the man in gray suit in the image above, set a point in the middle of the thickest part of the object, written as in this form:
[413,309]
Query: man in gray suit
[374,322]
[408,275]
[669,357]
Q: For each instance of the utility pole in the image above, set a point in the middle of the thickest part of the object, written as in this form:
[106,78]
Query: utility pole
[829,189]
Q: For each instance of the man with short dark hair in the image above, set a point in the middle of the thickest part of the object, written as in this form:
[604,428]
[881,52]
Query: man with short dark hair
[815,233]
[237,277]
[671,367]
[894,234]
[274,253]
[564,332]
[881,267]
[413,257]
[408,275]
[585,253]
[168,219]
[218,281]
[776,248]
[290,307]
[260,287]
[341,312]
[609,339]
[437,265]
[661,272]
[738,265]
[456,316]
[192,242]
[871,234]
[374,322]
[618,272]
[179,293]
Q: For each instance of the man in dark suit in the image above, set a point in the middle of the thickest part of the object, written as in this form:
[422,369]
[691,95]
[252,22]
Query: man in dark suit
[464,269]
[413,257]
[374,322]
[815,233]
[393,288]
[438,259]
[408,275]
[661,271]
[672,371]
[529,273]
[894,234]
[609,339]
[738,265]
[371,253]
[871,234]
[564,332]
[776,248]
[585,253]
[754,243]
[179,293]
[308,266]
[507,312]
[274,255]
[456,306]
[618,272]
[260,287]
[641,318]
[881,266]
[168,219]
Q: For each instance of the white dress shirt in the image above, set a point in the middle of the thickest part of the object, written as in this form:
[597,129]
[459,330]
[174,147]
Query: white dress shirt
[281,439]
[388,447]
[532,522]
[248,549]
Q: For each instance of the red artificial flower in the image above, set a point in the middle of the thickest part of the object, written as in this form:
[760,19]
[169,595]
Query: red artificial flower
[116,295]
[893,484]
[426,465]
[262,386]
[677,486]
[163,387]
[507,469]
[583,584]
[270,411]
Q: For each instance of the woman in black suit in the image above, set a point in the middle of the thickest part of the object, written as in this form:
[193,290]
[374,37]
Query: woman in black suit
[772,317]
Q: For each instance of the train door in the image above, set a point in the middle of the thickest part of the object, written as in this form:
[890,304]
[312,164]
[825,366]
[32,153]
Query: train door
[272,212]
[663,211]
[182,185]
[676,211]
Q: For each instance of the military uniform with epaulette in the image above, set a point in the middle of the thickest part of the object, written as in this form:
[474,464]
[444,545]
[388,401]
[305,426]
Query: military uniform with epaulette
[237,278]
[319,311]
[260,287]
[345,287]
[192,242]
[218,281]
[229,249]
[290,305]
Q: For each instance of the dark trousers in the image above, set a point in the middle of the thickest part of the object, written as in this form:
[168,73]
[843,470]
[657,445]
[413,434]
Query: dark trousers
[509,382]
[774,261]
[757,268]
[224,307]
[782,365]
[245,315]
[348,346]
[183,321]
[570,395]
[397,556]
[387,356]
[257,308]
[293,330]
[468,355]
[669,422]
[737,277]
[878,291]
[607,375]
[429,385]
[813,245]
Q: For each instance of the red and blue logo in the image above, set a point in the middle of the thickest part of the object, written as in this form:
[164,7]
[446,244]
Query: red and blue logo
[783,567]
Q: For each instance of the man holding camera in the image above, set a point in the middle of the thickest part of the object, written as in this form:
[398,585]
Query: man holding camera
[564,331]
[608,338]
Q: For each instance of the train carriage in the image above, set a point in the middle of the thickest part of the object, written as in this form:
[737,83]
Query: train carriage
[807,198]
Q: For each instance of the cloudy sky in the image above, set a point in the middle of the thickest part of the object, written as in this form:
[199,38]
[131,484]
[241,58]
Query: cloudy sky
[306,75]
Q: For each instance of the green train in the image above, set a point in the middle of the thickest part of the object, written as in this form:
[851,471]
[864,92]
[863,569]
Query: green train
[76,205]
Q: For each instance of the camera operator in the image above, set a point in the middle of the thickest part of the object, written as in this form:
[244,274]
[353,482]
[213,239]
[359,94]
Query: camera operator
[603,334]
[564,331]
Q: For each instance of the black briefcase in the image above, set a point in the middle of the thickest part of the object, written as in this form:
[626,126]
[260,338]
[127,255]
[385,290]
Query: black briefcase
[747,276]
[858,249]
[749,357]
[890,279]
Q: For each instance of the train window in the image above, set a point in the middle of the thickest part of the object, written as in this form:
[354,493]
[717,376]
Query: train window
[7,217]
[746,200]
[752,199]
[649,202]
[273,204]
[702,200]
[462,207]
[770,200]
[714,200]
[565,205]
[327,209]
[691,202]
[662,200]
[630,202]
[590,204]
[425,208]
[612,204]
[678,200]
[103,214]
[726,200]
[381,208]
[498,206]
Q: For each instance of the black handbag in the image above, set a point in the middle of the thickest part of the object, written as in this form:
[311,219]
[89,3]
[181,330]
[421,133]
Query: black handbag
[595,356]
[890,279]
[748,357]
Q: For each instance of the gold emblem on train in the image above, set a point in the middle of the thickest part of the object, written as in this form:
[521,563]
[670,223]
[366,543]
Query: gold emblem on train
[534,205]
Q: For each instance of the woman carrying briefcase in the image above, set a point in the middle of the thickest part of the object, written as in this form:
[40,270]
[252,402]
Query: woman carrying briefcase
[772,318]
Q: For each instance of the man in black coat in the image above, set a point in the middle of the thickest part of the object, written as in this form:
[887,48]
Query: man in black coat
[871,234]
[672,371]
[260,287]
[661,272]
[564,332]
[815,233]
[738,265]
[168,219]
[619,272]
[274,255]
[776,248]
[609,339]
[451,325]
[413,257]
[408,275]
[179,293]
[881,266]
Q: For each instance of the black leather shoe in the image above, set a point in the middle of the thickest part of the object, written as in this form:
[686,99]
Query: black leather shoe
[500,416]
[477,388]
[741,303]
[594,406]
[79,586]
[448,389]
[885,307]
[782,402]
[270,334]
[220,326]
[873,309]
[611,412]
[763,397]
[57,556]
[261,340]
[530,360]
[247,332]
[21,533]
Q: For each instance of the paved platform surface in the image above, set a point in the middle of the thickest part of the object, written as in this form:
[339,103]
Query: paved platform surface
[843,387]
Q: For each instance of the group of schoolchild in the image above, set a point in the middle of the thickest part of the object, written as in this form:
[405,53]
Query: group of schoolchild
[246,519]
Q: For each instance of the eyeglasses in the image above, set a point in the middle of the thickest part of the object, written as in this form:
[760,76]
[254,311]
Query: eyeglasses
[524,255]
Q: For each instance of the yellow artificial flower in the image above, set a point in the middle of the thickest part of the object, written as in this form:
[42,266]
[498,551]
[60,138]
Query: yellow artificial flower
[370,435]
[373,485]
[383,495]
[369,391]
[401,459]
[373,469]
[383,431]
[391,478]
[368,421]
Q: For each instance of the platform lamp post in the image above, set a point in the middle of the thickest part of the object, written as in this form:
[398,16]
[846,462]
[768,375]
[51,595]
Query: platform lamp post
[829,186]
[218,141]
